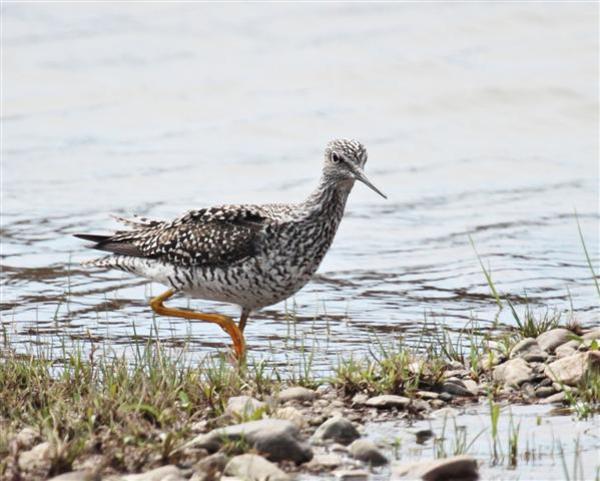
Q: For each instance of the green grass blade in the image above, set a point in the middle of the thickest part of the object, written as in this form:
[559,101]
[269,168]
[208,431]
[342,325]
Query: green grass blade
[487,275]
[587,255]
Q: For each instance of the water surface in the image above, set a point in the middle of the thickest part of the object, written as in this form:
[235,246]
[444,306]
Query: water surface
[480,120]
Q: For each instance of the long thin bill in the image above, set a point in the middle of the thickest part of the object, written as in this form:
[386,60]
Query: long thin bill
[363,178]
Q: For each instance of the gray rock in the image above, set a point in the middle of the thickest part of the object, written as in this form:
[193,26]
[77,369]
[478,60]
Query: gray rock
[365,451]
[456,387]
[550,340]
[453,364]
[423,435]
[463,468]
[164,473]
[351,475]
[567,349]
[244,406]
[26,438]
[251,467]
[297,393]
[544,391]
[387,401]
[37,458]
[419,405]
[76,476]
[471,386]
[458,373]
[513,373]
[592,334]
[493,358]
[208,467]
[290,414]
[324,462]
[559,397]
[446,396]
[528,390]
[445,413]
[278,438]
[571,370]
[586,344]
[428,395]
[336,429]
[360,398]
[529,350]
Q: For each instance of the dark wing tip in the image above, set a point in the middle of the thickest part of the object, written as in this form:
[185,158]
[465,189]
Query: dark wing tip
[92,237]
[105,243]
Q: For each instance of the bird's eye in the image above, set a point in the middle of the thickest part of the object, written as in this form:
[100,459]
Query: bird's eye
[335,157]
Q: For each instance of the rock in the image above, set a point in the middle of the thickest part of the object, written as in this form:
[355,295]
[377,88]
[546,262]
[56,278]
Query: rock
[427,395]
[528,390]
[208,467]
[529,350]
[297,393]
[365,451]
[567,349]
[559,397]
[37,458]
[586,344]
[458,468]
[423,435]
[418,405]
[359,398]
[338,448]
[471,386]
[279,439]
[571,370]
[77,476]
[164,473]
[244,406]
[458,373]
[514,372]
[550,340]
[563,387]
[446,396]
[387,401]
[488,361]
[544,391]
[323,389]
[351,475]
[336,429]
[445,413]
[324,462]
[453,364]
[251,467]
[290,414]
[591,334]
[26,438]
[456,387]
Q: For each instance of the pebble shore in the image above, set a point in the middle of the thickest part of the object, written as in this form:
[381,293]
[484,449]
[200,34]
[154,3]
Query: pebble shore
[318,431]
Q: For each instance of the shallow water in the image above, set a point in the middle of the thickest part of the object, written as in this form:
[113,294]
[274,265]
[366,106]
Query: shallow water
[560,447]
[480,120]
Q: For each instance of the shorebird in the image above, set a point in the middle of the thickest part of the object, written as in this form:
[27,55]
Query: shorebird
[249,255]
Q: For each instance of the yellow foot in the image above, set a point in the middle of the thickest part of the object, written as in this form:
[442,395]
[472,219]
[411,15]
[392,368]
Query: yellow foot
[226,323]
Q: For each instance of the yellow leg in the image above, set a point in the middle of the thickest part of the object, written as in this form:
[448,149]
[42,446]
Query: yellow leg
[226,323]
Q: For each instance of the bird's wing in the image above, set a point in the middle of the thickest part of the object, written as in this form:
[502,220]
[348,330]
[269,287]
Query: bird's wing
[208,237]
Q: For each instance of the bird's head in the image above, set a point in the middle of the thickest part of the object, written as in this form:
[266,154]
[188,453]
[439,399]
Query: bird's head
[344,163]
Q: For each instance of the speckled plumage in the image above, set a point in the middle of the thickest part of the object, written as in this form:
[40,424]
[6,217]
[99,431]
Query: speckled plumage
[249,255]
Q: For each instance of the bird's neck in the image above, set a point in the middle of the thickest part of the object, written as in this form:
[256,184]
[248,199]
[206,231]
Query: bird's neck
[329,199]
